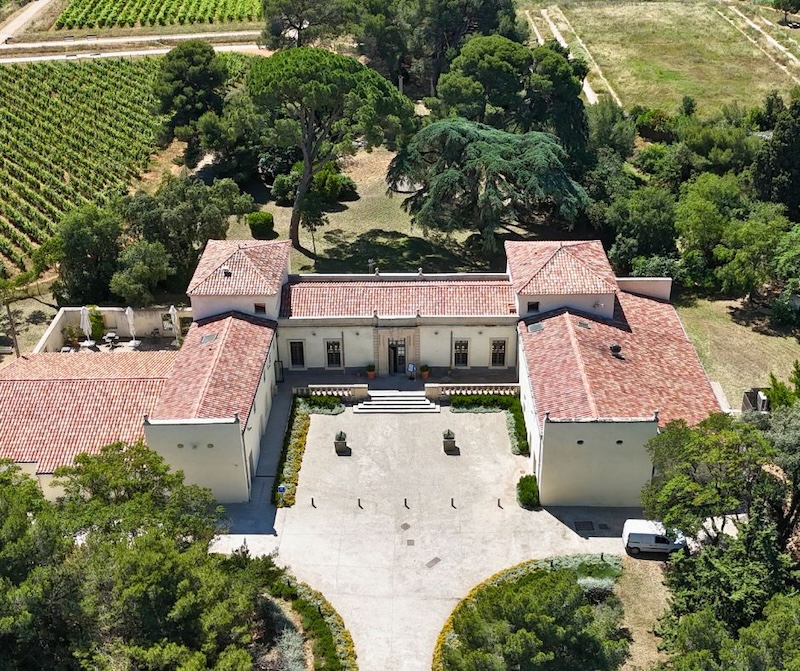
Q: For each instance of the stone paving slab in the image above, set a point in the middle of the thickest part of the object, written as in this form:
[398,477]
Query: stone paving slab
[395,595]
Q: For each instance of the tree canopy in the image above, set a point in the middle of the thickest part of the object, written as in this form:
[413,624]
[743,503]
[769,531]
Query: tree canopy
[327,105]
[469,176]
[299,23]
[776,171]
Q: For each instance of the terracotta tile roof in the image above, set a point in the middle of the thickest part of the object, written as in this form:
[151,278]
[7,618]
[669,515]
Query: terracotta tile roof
[256,268]
[218,369]
[56,406]
[402,298]
[574,374]
[552,267]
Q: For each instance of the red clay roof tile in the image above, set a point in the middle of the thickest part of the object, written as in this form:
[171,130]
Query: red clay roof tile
[219,377]
[574,374]
[256,268]
[402,298]
[560,267]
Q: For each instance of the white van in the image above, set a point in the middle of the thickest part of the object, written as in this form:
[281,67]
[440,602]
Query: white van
[648,536]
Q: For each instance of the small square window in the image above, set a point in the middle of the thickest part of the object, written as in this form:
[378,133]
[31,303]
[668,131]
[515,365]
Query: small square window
[260,308]
[533,306]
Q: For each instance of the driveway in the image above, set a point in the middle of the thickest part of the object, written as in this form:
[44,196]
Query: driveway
[397,533]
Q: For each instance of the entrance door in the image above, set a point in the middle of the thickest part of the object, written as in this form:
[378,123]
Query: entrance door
[397,356]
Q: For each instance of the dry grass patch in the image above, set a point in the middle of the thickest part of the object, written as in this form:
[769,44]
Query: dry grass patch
[655,53]
[737,348]
[644,596]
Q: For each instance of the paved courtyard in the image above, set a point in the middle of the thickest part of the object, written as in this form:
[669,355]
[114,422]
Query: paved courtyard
[398,532]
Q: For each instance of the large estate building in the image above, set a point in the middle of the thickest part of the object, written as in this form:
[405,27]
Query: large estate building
[601,363]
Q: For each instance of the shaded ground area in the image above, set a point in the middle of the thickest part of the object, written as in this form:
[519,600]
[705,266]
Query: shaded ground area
[736,346]
[32,316]
[397,533]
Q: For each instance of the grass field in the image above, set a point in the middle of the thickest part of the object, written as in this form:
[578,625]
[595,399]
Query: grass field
[736,348]
[654,53]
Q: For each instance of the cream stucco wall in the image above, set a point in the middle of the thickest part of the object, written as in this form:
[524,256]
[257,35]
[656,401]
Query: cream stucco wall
[598,304]
[654,287]
[209,306]
[364,343]
[213,454]
[531,417]
[598,472]
[259,411]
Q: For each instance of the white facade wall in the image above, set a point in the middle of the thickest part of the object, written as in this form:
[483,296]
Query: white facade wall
[210,306]
[211,453]
[532,428]
[361,343]
[259,411]
[599,470]
[659,288]
[601,305]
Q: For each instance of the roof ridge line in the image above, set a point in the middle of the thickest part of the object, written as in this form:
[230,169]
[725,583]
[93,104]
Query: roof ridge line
[214,269]
[210,369]
[590,269]
[581,368]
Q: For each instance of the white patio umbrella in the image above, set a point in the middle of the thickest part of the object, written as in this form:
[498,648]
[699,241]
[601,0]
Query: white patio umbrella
[176,323]
[131,327]
[86,326]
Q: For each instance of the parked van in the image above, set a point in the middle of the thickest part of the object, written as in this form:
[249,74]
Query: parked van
[648,536]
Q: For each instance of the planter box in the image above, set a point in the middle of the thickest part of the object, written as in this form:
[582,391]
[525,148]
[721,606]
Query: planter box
[341,447]
[450,446]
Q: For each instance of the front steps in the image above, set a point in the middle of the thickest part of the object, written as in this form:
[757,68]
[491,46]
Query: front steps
[395,402]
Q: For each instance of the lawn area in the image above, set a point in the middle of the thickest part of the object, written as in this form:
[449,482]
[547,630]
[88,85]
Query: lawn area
[655,53]
[737,350]
[372,227]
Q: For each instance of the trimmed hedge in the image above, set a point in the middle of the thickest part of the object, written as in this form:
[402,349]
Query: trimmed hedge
[294,443]
[495,403]
[585,566]
[528,492]
[331,641]
[262,225]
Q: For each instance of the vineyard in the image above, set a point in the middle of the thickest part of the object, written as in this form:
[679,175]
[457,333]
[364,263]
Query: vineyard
[121,13]
[70,133]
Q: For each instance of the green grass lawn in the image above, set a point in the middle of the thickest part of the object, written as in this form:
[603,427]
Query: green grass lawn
[737,349]
[654,53]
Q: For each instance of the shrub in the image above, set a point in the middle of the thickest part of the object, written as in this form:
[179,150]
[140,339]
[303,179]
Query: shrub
[528,492]
[341,435]
[262,225]
[448,435]
[332,404]
[783,311]
[96,320]
[291,651]
[283,188]
[597,590]
[495,403]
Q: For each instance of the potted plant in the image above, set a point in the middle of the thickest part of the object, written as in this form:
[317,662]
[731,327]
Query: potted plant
[424,371]
[340,442]
[72,334]
[449,441]
[371,371]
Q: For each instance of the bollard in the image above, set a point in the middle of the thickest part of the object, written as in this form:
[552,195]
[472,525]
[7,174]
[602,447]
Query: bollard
[405,502]
[452,502]
[498,504]
[313,505]
[359,504]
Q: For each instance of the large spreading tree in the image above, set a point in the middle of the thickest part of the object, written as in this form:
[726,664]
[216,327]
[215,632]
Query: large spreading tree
[327,105]
[469,176]
[298,23]
[776,171]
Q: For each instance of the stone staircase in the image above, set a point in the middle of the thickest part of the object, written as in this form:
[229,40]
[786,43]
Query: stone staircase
[395,402]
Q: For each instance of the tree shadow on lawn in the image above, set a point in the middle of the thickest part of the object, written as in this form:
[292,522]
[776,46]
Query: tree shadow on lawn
[757,318]
[393,251]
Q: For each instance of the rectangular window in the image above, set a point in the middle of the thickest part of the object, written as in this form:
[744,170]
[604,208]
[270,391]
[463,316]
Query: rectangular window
[499,353]
[297,355]
[533,306]
[461,353]
[333,350]
[260,308]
